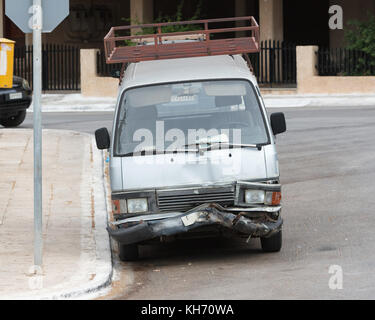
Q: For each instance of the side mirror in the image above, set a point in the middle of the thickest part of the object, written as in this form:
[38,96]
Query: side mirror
[278,123]
[116,74]
[102,138]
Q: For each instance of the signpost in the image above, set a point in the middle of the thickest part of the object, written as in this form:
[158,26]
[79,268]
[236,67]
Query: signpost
[37,16]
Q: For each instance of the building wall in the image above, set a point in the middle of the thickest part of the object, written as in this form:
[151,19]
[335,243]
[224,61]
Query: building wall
[141,11]
[89,21]
[89,32]
[271,19]
[353,10]
[306,22]
[91,84]
[309,82]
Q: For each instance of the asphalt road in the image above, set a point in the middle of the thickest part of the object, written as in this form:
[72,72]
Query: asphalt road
[80,121]
[327,163]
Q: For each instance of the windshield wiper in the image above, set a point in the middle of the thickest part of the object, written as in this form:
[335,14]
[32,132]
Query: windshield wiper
[186,148]
[244,145]
[211,145]
[154,151]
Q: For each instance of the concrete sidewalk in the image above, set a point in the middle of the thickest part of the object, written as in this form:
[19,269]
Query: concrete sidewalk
[77,255]
[77,102]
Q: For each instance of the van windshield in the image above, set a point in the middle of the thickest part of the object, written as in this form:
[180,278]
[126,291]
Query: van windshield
[174,117]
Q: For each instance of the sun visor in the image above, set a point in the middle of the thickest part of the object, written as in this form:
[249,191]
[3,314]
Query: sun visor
[142,97]
[225,89]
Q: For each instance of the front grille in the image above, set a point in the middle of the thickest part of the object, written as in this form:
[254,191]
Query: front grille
[184,200]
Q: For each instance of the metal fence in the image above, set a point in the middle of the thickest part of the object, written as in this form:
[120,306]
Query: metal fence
[102,68]
[344,62]
[60,66]
[274,66]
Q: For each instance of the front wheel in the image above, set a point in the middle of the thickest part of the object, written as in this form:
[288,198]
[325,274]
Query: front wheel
[15,120]
[128,252]
[273,243]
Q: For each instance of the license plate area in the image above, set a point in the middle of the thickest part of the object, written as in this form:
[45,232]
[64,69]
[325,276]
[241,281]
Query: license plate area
[15,96]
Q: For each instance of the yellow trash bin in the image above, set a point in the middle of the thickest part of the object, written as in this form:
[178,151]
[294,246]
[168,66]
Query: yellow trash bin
[6,63]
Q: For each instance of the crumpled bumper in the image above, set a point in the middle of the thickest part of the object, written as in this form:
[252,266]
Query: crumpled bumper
[178,223]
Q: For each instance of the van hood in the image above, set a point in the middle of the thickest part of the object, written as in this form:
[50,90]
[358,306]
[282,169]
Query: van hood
[211,167]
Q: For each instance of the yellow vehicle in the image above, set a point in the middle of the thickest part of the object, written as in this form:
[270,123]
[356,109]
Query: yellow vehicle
[6,63]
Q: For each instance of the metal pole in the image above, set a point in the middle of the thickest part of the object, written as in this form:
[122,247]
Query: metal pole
[37,88]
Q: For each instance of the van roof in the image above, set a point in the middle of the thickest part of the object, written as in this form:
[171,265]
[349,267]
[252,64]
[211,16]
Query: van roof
[186,69]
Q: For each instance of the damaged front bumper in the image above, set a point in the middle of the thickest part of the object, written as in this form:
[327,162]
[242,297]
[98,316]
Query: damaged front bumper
[139,229]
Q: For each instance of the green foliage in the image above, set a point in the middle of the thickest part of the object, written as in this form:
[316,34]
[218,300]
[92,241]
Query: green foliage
[361,37]
[178,16]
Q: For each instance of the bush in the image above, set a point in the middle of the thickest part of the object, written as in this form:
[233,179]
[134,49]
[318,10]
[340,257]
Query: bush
[361,37]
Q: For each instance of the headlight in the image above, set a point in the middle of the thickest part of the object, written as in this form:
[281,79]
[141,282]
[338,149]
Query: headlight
[25,84]
[270,198]
[137,205]
[254,196]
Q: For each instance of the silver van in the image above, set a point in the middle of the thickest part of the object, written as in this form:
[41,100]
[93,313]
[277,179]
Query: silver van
[192,152]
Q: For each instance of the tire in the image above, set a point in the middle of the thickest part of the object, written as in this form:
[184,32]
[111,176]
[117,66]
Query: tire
[128,252]
[14,121]
[273,243]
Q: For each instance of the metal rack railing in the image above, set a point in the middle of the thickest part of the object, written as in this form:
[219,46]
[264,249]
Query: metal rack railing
[165,45]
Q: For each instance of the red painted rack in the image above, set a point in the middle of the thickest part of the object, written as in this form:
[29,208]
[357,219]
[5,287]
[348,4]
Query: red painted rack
[117,51]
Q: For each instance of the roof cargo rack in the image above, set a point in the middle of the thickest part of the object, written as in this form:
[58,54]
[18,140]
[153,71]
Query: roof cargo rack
[171,45]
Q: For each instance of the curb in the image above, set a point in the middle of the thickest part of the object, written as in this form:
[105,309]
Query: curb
[75,102]
[103,263]
[103,248]
[300,101]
